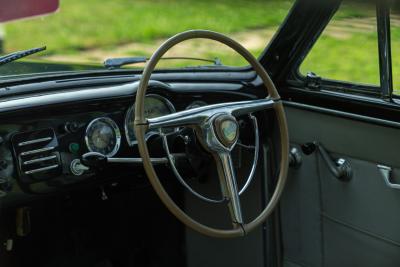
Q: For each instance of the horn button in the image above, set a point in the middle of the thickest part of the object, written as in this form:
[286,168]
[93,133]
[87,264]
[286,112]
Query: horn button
[226,130]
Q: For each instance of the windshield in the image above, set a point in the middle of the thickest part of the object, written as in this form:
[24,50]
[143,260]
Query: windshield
[82,34]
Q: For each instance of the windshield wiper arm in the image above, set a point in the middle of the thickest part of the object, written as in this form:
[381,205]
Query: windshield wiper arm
[20,54]
[113,63]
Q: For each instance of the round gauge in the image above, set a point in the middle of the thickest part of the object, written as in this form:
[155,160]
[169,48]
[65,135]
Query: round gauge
[154,106]
[103,136]
[196,104]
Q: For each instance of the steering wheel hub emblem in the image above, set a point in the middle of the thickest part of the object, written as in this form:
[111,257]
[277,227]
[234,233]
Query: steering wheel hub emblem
[229,130]
[226,129]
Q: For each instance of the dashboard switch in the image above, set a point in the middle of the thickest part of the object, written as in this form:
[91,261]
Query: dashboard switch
[74,148]
[77,168]
[71,127]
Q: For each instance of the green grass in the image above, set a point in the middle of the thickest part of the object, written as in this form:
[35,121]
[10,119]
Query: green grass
[339,59]
[395,35]
[343,54]
[351,54]
[89,24]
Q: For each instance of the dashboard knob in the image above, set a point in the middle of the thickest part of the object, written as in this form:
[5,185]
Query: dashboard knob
[77,168]
[71,127]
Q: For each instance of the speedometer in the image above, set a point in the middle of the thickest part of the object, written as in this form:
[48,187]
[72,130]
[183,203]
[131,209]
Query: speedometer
[154,106]
[103,136]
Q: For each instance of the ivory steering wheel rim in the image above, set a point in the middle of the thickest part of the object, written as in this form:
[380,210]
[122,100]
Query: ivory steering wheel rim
[141,124]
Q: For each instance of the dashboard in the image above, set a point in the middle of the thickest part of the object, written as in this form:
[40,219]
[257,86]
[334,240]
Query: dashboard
[44,135]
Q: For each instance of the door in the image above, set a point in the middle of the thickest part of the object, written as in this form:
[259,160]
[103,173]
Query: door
[343,115]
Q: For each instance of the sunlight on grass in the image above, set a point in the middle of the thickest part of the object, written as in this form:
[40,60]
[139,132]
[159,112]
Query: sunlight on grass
[91,23]
[347,50]
[395,36]
[339,59]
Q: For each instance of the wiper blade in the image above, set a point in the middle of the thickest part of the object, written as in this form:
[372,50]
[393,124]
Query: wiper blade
[20,54]
[114,63]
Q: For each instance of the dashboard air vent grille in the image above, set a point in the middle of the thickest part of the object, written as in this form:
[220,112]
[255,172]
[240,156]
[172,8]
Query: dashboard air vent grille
[37,155]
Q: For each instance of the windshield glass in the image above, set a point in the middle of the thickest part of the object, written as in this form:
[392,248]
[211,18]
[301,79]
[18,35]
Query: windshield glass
[82,34]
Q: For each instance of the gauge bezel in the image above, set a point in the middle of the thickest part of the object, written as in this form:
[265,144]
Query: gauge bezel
[200,103]
[131,109]
[115,128]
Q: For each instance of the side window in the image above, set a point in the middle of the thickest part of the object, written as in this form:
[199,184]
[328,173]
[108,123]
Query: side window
[347,50]
[395,45]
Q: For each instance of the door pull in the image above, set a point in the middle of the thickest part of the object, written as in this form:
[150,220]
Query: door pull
[386,172]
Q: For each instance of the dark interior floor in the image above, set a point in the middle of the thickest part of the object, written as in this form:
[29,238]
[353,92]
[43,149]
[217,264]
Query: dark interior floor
[131,228]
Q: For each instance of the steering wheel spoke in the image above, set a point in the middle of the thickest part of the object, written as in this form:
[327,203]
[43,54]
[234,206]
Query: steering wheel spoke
[229,186]
[198,116]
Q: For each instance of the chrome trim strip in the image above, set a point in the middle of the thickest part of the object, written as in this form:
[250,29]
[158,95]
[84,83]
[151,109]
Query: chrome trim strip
[39,160]
[129,89]
[34,141]
[73,95]
[36,151]
[137,160]
[42,169]
[68,96]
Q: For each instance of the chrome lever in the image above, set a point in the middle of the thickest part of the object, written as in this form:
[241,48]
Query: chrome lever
[95,159]
[137,160]
[340,168]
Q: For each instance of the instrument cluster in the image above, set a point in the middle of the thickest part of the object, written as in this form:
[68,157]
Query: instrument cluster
[103,135]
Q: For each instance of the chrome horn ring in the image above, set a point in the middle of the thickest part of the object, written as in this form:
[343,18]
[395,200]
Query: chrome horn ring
[181,180]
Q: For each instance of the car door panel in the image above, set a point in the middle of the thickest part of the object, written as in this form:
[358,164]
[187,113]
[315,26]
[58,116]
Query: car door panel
[300,207]
[345,223]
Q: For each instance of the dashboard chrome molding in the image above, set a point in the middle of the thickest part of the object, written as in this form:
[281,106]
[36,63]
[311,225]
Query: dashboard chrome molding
[71,94]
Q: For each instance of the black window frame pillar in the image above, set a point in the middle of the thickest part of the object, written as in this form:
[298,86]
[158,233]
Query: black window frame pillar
[385,50]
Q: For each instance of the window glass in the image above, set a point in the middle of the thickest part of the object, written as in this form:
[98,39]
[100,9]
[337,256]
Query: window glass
[395,44]
[347,50]
[83,33]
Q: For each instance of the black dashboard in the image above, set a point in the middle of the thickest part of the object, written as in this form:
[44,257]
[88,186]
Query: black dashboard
[44,134]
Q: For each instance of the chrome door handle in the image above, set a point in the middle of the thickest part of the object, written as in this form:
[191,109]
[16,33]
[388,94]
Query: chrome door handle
[386,171]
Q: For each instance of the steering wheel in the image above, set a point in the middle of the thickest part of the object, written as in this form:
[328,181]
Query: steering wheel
[217,130]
